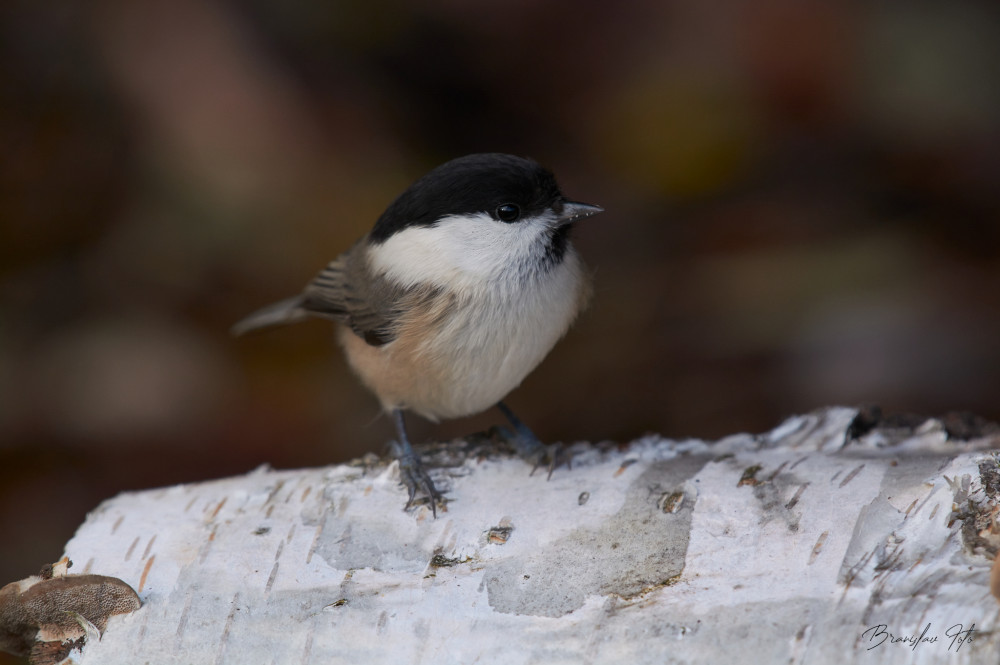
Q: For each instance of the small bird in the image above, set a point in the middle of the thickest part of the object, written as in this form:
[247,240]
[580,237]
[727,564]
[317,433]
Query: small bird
[464,284]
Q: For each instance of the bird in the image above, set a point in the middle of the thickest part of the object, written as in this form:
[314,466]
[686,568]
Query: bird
[463,285]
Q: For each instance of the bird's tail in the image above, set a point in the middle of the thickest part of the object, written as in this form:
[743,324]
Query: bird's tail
[276,314]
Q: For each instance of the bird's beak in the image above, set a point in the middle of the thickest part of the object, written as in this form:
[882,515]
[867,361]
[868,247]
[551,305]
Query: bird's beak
[574,211]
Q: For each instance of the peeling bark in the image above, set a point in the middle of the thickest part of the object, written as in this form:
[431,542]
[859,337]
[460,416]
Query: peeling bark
[48,615]
[819,542]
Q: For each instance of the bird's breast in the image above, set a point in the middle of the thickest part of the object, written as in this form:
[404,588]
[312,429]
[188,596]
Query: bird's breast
[467,349]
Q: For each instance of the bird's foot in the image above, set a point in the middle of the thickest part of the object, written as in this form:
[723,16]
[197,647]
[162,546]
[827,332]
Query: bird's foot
[413,476]
[529,447]
[534,452]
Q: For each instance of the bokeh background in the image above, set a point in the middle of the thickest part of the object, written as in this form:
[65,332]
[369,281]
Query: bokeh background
[803,208]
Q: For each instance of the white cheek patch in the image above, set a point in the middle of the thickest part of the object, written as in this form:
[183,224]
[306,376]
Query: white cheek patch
[465,250]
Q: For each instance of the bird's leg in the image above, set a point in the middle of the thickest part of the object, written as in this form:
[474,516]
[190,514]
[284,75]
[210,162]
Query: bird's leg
[529,447]
[411,470]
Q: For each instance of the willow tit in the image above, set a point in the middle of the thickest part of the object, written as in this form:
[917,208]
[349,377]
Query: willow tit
[464,284]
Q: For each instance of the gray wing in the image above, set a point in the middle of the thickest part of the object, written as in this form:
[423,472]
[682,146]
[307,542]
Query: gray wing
[344,292]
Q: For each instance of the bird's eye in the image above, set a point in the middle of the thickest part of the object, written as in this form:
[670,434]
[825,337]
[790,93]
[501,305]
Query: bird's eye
[508,212]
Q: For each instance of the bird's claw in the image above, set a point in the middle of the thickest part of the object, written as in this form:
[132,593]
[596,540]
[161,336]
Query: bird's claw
[413,476]
[536,453]
[557,455]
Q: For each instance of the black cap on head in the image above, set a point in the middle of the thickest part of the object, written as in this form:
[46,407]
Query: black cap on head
[506,187]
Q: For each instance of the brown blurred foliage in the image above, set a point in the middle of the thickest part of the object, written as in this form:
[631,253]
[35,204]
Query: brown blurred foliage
[802,209]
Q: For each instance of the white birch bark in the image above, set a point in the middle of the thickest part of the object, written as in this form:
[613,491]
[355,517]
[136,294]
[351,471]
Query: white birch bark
[795,546]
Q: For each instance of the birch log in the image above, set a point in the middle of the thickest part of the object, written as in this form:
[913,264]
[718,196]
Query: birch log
[802,545]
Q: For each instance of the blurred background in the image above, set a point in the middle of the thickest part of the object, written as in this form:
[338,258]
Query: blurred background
[803,209]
